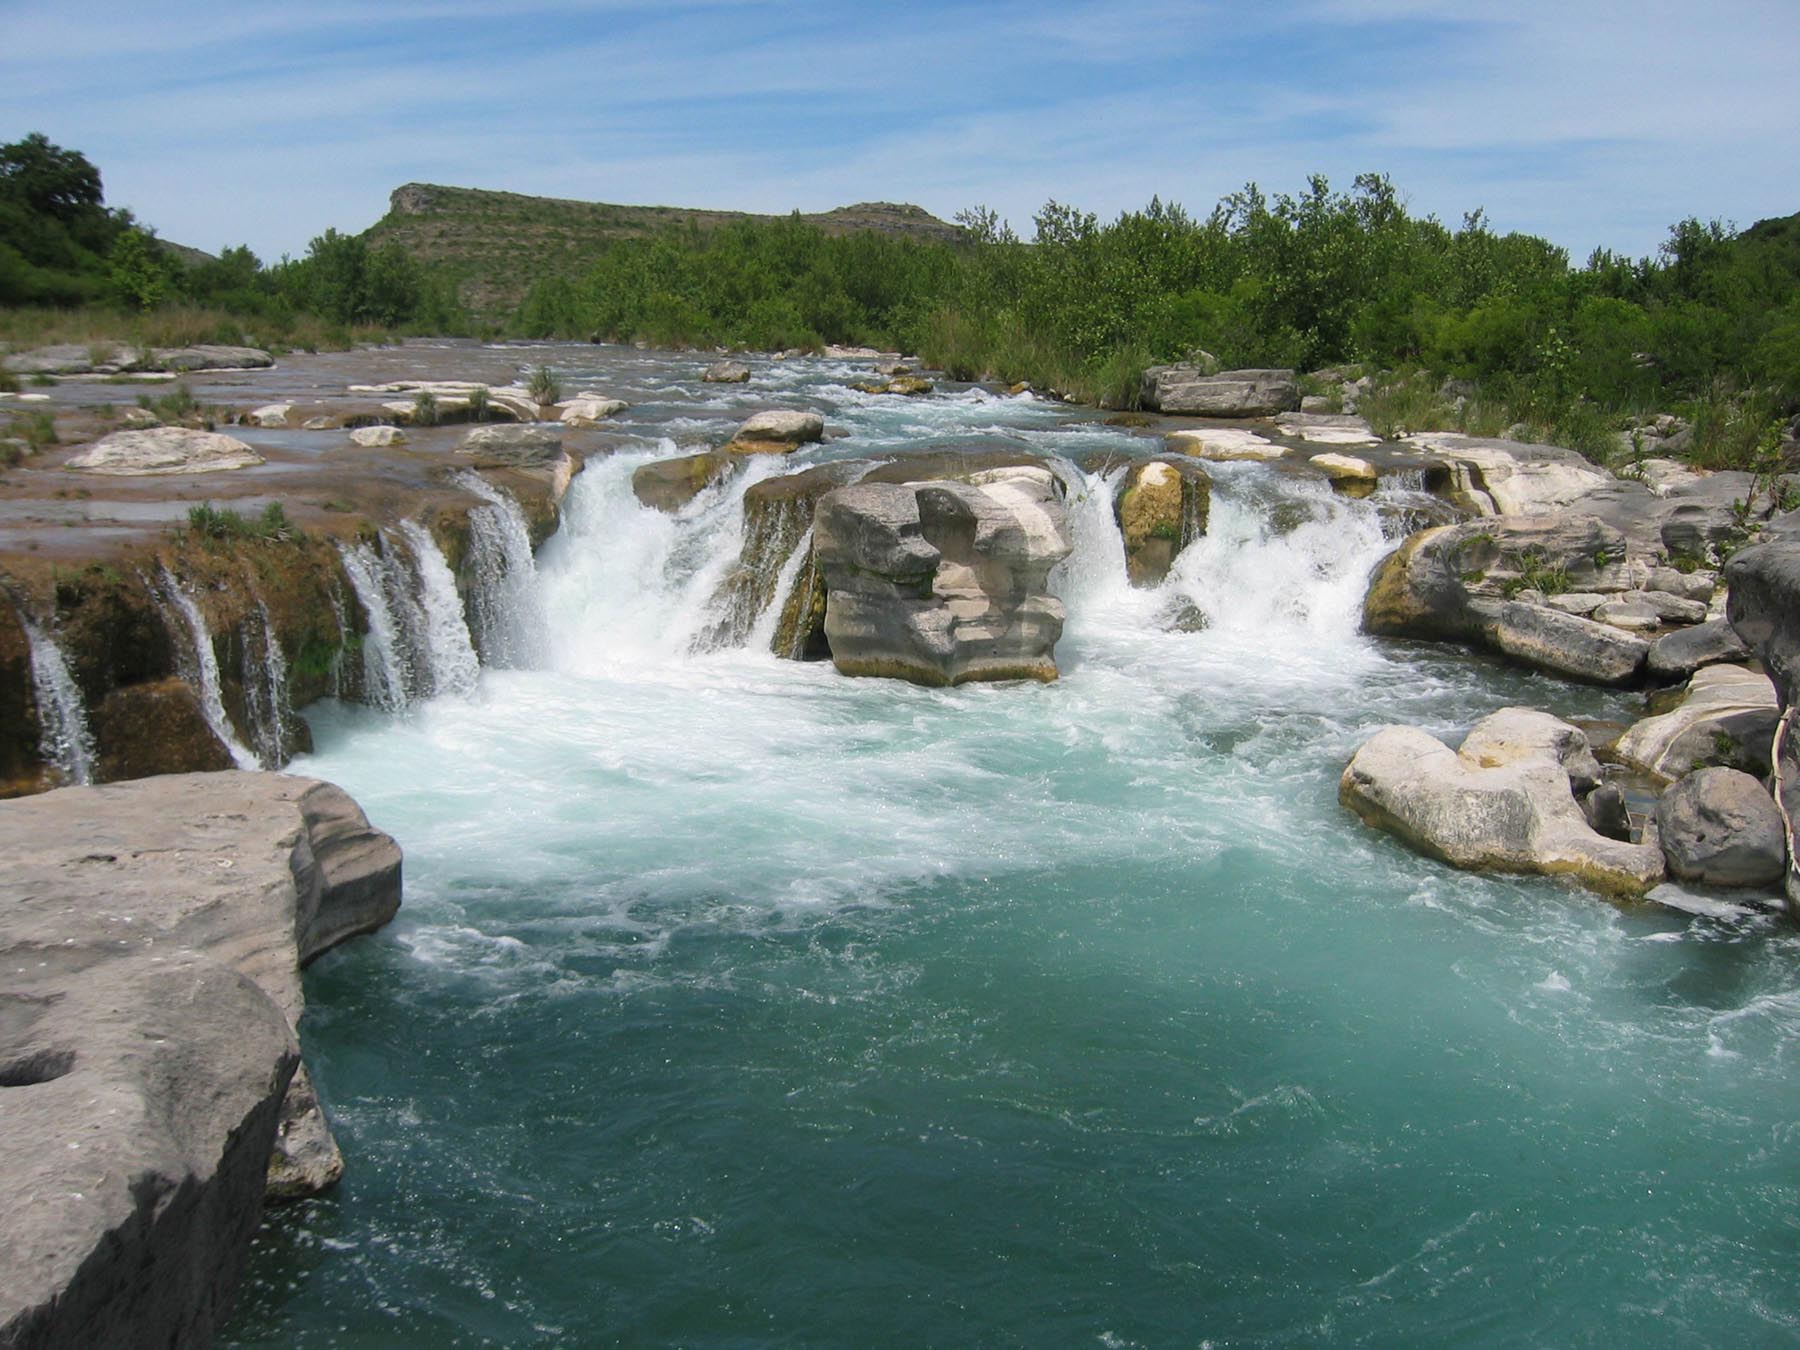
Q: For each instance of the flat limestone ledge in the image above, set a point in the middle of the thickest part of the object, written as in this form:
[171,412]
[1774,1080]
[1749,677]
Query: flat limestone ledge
[151,1094]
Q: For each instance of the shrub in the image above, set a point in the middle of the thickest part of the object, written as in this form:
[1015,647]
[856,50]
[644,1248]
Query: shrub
[478,403]
[542,385]
[217,524]
[425,409]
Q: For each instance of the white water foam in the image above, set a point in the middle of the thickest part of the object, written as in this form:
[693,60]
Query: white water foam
[63,735]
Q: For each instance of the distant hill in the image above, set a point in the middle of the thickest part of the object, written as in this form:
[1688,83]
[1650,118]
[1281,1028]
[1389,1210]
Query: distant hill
[497,243]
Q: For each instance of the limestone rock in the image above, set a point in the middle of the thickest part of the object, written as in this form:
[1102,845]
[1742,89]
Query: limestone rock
[776,433]
[113,358]
[1520,816]
[1564,644]
[727,372]
[1697,585]
[208,356]
[1677,655]
[164,450]
[1727,716]
[1349,475]
[512,447]
[589,410]
[943,582]
[1233,393]
[1764,607]
[1628,612]
[1511,478]
[1222,444]
[1513,735]
[1161,508]
[1720,828]
[154,727]
[670,484]
[378,436]
[1326,428]
[270,415]
[153,933]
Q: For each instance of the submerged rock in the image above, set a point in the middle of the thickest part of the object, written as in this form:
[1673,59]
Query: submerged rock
[154,934]
[943,582]
[164,450]
[1191,389]
[1515,815]
[512,447]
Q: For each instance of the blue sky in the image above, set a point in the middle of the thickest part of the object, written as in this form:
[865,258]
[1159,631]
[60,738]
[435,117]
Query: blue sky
[1590,123]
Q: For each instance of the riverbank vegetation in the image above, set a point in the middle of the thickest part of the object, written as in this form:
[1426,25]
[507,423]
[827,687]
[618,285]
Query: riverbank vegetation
[1466,328]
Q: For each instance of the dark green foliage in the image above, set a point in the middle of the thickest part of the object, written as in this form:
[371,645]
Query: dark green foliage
[55,232]
[542,385]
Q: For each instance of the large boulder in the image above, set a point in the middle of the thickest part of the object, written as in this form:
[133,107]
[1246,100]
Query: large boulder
[164,450]
[154,931]
[1719,827]
[588,410]
[1727,716]
[776,433]
[1677,655]
[670,484]
[1516,815]
[1563,644]
[726,372]
[1161,506]
[1190,389]
[943,582]
[1510,478]
[1764,607]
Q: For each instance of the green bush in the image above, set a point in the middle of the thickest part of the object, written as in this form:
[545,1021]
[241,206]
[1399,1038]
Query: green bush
[543,386]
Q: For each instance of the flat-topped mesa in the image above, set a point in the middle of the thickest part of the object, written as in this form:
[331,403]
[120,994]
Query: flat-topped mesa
[941,583]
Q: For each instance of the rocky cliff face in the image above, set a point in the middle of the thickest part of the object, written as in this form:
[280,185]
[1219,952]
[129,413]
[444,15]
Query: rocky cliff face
[152,935]
[1764,607]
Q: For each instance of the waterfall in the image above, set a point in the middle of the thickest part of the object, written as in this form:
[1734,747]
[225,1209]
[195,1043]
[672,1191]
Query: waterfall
[388,678]
[265,691]
[509,621]
[782,594]
[200,668]
[343,632]
[449,651]
[63,735]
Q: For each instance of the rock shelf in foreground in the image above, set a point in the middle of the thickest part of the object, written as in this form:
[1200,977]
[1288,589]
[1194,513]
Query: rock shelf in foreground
[151,1090]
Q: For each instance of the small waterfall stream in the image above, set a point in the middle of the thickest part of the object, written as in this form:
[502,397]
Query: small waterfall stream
[199,666]
[64,738]
[509,619]
[448,650]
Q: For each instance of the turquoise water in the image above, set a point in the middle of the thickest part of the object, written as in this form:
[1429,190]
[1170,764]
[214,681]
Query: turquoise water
[735,1003]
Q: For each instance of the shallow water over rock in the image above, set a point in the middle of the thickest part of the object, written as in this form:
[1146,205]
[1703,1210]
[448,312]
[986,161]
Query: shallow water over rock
[736,1001]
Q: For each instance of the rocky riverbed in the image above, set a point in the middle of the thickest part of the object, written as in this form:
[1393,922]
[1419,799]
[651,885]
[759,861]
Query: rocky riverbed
[228,580]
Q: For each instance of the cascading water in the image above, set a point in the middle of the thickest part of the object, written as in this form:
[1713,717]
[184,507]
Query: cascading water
[265,689]
[509,620]
[63,734]
[450,654]
[762,631]
[199,666]
[1116,1026]
[388,677]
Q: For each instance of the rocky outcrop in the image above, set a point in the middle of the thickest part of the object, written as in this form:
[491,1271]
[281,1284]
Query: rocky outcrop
[943,582]
[1764,607]
[1161,506]
[1191,390]
[1720,828]
[1727,716]
[1322,428]
[1507,803]
[1222,444]
[153,935]
[670,484]
[118,358]
[776,433]
[511,447]
[1510,478]
[1348,474]
[160,450]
